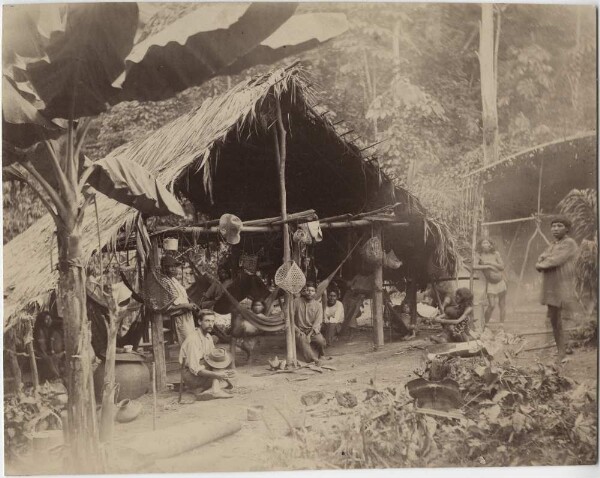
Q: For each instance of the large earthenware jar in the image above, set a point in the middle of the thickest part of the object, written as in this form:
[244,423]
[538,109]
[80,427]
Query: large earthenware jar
[131,374]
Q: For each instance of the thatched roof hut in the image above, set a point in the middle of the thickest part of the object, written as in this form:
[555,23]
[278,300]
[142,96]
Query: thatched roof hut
[221,157]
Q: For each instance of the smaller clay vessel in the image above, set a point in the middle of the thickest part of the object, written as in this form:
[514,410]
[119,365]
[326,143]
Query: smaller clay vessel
[129,410]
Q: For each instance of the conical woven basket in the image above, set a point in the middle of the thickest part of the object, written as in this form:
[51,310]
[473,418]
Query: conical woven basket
[290,277]
[372,251]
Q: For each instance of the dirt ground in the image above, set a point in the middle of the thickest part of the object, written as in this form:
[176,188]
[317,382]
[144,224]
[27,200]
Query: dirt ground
[357,363]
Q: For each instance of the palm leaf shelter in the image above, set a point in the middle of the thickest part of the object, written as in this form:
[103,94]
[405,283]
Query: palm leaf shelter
[521,193]
[225,157]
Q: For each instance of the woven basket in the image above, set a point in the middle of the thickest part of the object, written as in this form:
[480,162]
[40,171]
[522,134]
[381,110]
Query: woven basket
[159,292]
[290,277]
[372,251]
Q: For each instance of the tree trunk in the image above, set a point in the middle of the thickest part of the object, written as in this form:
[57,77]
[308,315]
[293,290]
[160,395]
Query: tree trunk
[378,300]
[109,390]
[9,343]
[35,378]
[488,84]
[81,407]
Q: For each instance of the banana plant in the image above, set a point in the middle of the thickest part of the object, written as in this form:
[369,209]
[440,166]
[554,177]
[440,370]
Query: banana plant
[69,56]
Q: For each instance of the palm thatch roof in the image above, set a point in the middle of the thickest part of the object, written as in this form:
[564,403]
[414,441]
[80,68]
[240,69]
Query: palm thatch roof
[511,184]
[189,154]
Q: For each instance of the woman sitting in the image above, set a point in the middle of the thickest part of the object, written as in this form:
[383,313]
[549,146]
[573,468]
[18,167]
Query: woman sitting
[456,318]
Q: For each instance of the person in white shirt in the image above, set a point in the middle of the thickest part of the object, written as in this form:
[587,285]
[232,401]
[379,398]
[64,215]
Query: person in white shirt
[204,365]
[334,317]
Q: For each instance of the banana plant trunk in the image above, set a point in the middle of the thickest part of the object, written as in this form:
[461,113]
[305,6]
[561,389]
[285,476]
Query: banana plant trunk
[109,391]
[82,429]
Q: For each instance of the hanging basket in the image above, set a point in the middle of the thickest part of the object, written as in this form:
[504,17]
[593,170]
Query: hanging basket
[372,251]
[290,277]
[159,291]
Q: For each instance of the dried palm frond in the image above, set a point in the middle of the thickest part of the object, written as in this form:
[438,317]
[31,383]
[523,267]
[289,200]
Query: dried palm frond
[586,269]
[580,206]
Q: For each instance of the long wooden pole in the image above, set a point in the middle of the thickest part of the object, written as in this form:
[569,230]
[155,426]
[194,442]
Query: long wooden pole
[281,154]
[378,298]
[476,206]
[158,338]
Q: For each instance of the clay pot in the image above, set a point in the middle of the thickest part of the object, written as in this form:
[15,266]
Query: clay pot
[44,440]
[129,410]
[131,373]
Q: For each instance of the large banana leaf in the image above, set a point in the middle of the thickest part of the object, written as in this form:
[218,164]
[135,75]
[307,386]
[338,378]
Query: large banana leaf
[129,183]
[74,77]
[27,30]
[198,47]
[22,123]
[300,33]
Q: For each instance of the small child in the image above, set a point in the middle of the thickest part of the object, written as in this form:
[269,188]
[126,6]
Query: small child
[456,318]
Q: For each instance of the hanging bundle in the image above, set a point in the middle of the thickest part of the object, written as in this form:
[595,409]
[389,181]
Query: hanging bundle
[301,236]
[391,261]
[372,251]
[290,277]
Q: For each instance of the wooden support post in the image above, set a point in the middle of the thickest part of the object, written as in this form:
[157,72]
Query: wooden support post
[233,350]
[378,299]
[13,360]
[476,205]
[281,154]
[411,294]
[158,337]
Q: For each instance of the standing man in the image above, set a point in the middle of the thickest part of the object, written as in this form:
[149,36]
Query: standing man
[334,317]
[203,364]
[308,318]
[181,310]
[557,264]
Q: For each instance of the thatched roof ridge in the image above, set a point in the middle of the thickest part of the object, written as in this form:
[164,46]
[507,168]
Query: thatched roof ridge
[186,142]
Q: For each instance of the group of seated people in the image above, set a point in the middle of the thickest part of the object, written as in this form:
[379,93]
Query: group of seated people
[205,366]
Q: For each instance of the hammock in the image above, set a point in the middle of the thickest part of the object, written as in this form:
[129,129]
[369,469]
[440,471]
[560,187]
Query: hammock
[262,322]
[274,323]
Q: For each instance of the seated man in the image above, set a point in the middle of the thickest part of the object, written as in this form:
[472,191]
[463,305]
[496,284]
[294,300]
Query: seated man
[308,318]
[334,317]
[204,365]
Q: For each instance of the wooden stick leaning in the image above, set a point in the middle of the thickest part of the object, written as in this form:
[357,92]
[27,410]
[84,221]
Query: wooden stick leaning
[154,395]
